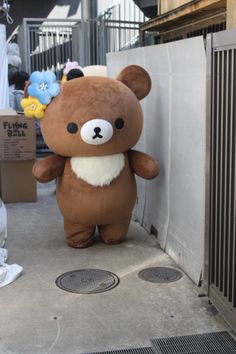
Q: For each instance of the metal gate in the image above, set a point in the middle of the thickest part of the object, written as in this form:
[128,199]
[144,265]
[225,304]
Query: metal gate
[49,43]
[220,258]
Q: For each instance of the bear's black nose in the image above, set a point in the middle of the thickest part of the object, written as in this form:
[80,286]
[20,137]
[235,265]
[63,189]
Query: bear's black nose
[97,130]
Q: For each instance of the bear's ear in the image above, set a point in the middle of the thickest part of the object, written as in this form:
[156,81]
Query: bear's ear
[137,79]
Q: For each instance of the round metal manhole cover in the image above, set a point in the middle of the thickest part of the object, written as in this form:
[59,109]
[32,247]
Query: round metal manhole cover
[87,281]
[160,275]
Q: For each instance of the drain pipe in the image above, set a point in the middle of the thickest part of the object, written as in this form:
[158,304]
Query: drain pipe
[94,9]
[88,9]
[88,16]
[85,9]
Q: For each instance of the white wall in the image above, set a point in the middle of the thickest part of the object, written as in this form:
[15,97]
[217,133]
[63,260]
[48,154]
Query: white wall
[174,133]
[126,9]
[64,11]
[104,4]
[123,9]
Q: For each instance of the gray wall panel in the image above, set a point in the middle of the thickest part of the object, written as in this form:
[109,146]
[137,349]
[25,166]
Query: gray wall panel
[174,133]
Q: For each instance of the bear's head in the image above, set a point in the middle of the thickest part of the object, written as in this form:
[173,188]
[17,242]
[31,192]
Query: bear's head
[95,116]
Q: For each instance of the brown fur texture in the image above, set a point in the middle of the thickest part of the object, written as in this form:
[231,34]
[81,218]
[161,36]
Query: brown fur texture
[129,76]
[85,206]
[49,168]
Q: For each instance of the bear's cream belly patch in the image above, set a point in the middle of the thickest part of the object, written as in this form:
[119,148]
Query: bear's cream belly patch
[98,170]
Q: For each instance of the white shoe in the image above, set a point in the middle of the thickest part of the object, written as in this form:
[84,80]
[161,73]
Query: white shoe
[9,273]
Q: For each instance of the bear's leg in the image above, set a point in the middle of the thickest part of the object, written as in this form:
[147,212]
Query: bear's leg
[77,235]
[114,233]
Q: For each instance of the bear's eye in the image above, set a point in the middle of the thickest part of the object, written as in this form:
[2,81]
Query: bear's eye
[72,128]
[119,123]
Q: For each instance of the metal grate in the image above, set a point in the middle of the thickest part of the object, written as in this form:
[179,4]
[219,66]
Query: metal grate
[222,179]
[50,46]
[223,173]
[144,350]
[160,275]
[208,343]
[87,281]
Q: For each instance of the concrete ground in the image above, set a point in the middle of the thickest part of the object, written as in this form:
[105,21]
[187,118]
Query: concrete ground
[38,317]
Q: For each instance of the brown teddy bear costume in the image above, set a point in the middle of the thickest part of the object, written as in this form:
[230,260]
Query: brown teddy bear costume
[91,126]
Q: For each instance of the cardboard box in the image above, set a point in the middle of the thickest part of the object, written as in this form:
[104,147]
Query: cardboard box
[17,156]
[17,182]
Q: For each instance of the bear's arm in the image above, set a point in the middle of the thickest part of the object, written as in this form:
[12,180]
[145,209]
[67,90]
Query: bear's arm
[143,165]
[49,168]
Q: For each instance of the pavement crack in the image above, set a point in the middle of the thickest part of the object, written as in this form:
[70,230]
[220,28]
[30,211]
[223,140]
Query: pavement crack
[57,337]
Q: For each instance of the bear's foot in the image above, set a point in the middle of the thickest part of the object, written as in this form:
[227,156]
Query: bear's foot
[77,244]
[78,236]
[112,234]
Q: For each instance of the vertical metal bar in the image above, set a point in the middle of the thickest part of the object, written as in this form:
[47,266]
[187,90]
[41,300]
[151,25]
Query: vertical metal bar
[119,31]
[68,40]
[57,30]
[70,44]
[63,46]
[33,50]
[129,14]
[96,35]
[225,172]
[104,42]
[134,17]
[36,31]
[62,52]
[43,47]
[221,181]
[59,34]
[39,49]
[36,48]
[95,38]
[216,173]
[230,180]
[212,243]
[66,49]
[47,48]
[124,10]
[54,48]
[51,48]
[29,50]
[113,39]
[125,43]
[48,43]
[31,54]
[233,215]
[94,41]
[59,45]
[25,45]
